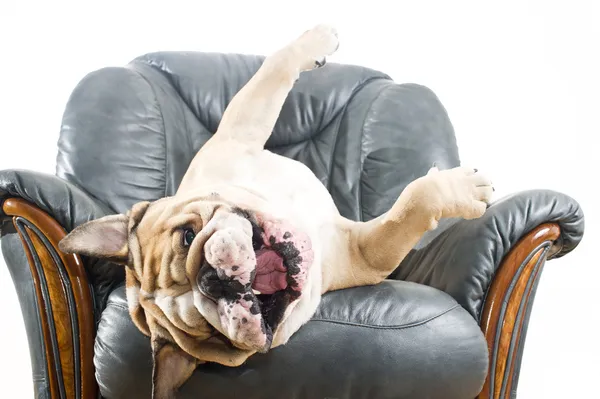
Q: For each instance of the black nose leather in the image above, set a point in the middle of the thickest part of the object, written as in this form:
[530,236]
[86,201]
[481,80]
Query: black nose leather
[217,285]
[208,282]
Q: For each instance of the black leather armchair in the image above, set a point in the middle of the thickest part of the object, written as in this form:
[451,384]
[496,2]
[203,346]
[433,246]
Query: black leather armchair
[450,322]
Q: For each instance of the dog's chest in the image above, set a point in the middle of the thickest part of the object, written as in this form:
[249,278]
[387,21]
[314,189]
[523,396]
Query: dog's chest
[289,186]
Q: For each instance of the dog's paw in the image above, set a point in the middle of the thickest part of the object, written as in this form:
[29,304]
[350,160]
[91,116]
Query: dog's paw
[316,44]
[458,192]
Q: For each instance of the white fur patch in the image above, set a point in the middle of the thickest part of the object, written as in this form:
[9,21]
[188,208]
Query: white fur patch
[208,309]
[132,294]
[165,303]
[298,314]
[185,308]
[178,309]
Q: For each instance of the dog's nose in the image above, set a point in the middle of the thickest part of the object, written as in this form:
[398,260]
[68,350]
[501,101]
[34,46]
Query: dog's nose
[215,284]
[221,249]
[228,247]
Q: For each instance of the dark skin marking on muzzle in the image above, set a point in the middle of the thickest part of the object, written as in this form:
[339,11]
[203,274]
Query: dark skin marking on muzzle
[257,231]
[215,288]
[291,258]
[226,287]
[279,304]
[255,308]
[286,249]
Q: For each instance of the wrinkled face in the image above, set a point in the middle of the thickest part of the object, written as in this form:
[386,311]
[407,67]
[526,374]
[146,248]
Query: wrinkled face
[204,264]
[244,269]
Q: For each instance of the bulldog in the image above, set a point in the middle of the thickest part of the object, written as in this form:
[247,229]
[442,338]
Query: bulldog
[237,260]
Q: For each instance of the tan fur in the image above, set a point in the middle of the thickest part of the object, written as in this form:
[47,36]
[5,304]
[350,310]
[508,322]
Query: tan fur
[233,169]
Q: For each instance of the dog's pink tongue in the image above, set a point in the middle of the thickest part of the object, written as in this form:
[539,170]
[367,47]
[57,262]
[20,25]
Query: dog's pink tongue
[270,272]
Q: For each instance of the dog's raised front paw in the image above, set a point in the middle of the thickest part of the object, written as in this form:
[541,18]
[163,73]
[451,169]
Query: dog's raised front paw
[458,192]
[316,44]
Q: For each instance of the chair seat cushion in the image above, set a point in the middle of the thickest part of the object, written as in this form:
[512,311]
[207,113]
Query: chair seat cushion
[393,340]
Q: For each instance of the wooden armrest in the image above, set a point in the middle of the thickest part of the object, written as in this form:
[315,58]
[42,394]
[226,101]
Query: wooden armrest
[64,298]
[507,306]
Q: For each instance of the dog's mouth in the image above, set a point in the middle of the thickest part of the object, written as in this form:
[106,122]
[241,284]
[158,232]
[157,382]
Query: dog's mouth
[283,257]
[275,283]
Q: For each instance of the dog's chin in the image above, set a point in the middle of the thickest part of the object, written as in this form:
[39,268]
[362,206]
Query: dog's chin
[250,314]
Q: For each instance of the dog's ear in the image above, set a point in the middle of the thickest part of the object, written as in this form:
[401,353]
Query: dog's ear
[171,368]
[101,238]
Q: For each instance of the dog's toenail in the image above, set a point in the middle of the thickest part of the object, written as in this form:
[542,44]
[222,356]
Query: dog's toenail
[320,63]
[475,170]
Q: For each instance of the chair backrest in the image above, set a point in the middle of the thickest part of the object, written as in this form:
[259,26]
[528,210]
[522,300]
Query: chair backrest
[129,133]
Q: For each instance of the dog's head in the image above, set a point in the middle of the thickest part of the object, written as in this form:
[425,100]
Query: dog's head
[208,279]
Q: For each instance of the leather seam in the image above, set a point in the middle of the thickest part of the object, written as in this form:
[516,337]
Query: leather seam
[104,347]
[114,305]
[352,324]
[157,67]
[131,67]
[391,327]
[153,64]
[341,115]
[362,137]
[484,295]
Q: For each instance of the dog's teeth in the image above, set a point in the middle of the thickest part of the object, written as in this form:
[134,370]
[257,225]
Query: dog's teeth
[256,292]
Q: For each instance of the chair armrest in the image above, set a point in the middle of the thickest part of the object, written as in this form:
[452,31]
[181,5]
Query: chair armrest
[69,206]
[57,300]
[463,257]
[492,266]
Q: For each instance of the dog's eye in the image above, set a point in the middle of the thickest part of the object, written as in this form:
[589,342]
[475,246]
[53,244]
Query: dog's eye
[188,237]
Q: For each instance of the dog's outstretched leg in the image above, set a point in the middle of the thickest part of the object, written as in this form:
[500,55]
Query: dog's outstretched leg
[253,111]
[377,247]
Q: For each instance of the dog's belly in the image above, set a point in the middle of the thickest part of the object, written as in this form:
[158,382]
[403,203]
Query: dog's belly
[288,184]
[277,185]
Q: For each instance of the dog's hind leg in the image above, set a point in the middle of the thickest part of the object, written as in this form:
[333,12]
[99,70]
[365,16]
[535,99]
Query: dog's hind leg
[377,247]
[251,115]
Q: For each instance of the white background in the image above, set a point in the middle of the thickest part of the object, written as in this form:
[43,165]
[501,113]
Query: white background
[520,80]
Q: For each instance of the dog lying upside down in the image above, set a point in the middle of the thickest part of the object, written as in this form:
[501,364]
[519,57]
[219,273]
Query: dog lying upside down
[237,260]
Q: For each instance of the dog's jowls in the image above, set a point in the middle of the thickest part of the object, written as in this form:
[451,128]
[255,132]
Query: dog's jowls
[237,260]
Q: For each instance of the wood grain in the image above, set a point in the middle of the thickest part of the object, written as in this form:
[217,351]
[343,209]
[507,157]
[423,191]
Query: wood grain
[508,293]
[57,286]
[52,376]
